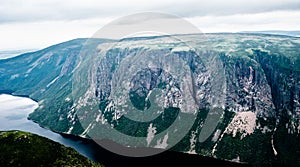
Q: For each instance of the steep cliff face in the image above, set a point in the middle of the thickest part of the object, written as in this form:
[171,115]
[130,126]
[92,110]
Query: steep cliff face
[243,92]
[283,77]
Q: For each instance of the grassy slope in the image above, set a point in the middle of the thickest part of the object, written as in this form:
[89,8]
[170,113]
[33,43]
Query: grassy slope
[19,148]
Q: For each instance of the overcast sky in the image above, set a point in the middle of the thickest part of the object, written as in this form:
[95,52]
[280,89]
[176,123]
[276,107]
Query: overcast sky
[40,23]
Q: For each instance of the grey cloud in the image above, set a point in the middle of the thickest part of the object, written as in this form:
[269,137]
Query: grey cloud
[35,10]
[231,7]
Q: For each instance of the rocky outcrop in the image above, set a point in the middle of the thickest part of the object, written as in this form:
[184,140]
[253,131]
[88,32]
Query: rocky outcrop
[243,92]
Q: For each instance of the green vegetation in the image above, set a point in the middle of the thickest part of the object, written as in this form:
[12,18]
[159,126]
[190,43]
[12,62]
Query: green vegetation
[286,143]
[19,148]
[205,147]
[139,102]
[184,144]
[255,149]
[139,129]
[47,75]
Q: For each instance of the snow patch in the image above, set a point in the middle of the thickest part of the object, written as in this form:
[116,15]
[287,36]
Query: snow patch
[193,143]
[86,130]
[162,143]
[216,135]
[70,130]
[14,76]
[264,129]
[98,118]
[151,132]
[237,159]
[274,150]
[214,148]
[52,82]
[272,142]
[180,49]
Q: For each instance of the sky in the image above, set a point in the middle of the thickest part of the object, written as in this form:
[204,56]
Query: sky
[28,24]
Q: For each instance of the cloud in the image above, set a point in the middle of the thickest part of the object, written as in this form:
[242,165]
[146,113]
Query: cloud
[231,7]
[275,20]
[38,35]
[45,10]
[39,23]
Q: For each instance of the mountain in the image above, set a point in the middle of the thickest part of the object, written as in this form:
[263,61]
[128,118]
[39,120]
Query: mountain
[237,96]
[26,149]
[275,32]
[4,54]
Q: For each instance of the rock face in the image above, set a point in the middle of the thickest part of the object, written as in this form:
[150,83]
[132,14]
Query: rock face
[283,77]
[243,92]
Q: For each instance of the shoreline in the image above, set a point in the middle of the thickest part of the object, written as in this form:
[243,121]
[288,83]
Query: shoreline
[93,151]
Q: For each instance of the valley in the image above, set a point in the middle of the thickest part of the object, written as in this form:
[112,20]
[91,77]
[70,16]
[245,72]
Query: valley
[240,100]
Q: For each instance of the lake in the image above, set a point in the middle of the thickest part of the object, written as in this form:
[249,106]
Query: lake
[13,116]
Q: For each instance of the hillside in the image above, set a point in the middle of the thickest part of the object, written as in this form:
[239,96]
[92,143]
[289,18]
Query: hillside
[237,95]
[19,148]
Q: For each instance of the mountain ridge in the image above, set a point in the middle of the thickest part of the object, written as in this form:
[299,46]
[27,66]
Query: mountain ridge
[249,62]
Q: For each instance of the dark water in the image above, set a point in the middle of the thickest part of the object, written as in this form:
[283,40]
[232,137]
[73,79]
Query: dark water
[13,116]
